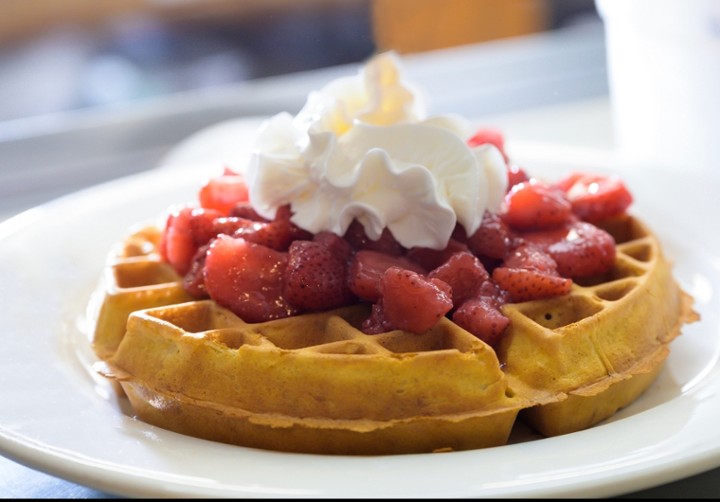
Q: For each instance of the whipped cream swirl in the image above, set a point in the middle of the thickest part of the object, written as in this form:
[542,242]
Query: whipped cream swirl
[361,148]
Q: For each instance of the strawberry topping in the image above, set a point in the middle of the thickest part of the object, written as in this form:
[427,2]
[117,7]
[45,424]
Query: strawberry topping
[541,239]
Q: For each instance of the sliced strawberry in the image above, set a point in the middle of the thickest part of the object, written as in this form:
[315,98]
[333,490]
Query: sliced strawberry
[494,238]
[433,258]
[534,204]
[358,239]
[228,225]
[339,246]
[596,197]
[411,302]
[205,224]
[316,277]
[247,278]
[580,249]
[464,273]
[483,318]
[367,268]
[524,285]
[376,322]
[223,192]
[189,228]
[245,210]
[493,293]
[194,279]
[276,234]
[530,274]
[178,244]
[516,174]
[531,257]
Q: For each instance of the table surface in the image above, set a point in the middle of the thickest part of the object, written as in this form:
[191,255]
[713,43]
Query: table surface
[558,97]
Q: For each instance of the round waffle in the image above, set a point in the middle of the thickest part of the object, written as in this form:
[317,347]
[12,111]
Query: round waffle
[316,383]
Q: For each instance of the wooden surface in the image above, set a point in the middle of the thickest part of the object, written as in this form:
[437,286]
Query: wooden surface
[421,25]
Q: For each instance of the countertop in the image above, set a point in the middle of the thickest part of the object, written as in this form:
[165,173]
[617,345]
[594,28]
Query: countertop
[541,91]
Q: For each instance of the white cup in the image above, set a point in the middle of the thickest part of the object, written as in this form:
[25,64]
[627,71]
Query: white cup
[664,76]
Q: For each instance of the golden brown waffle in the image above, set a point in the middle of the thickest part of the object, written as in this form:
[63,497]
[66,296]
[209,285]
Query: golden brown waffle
[599,347]
[315,383]
[135,278]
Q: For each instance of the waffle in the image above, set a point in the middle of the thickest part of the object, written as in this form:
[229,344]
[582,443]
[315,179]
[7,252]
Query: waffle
[599,347]
[315,383]
[135,278]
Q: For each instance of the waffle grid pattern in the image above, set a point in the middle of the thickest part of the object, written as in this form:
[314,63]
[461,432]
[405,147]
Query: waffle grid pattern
[562,367]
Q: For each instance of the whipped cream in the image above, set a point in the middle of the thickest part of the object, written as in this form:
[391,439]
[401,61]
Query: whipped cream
[362,148]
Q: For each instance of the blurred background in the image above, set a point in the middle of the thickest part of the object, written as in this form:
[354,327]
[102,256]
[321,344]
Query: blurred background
[93,90]
[59,55]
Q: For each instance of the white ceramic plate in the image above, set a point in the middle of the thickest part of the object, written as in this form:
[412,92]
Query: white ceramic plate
[58,417]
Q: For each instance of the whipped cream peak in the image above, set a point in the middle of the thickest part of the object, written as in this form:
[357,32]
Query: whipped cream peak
[361,149]
[377,95]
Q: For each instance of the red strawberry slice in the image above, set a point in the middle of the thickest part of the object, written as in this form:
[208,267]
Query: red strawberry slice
[178,246]
[176,242]
[534,205]
[223,192]
[411,302]
[316,277]
[516,174]
[339,246]
[433,258]
[276,234]
[580,249]
[482,317]
[493,293]
[189,228]
[595,197]
[376,322]
[531,257]
[194,279]
[358,239]
[367,268]
[205,224]
[464,273]
[493,239]
[523,284]
[530,274]
[228,225]
[245,210]
[247,278]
